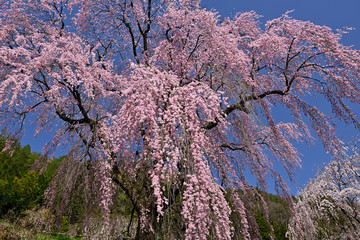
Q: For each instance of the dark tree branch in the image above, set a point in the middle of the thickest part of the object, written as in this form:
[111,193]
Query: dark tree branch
[241,105]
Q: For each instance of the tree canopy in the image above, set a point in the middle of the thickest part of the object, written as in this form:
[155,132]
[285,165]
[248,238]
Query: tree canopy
[329,205]
[170,103]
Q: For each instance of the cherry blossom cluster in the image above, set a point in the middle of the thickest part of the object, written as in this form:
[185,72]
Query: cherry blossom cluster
[171,104]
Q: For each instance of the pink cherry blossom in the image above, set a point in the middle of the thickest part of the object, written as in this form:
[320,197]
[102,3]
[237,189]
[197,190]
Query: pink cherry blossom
[171,104]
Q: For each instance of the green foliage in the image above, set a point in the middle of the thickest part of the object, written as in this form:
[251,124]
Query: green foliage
[270,226]
[279,215]
[264,226]
[53,237]
[20,187]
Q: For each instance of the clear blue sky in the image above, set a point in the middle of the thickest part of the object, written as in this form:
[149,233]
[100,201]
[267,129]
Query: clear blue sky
[333,13]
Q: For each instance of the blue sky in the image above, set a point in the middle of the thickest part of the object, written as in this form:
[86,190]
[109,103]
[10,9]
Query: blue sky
[332,13]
